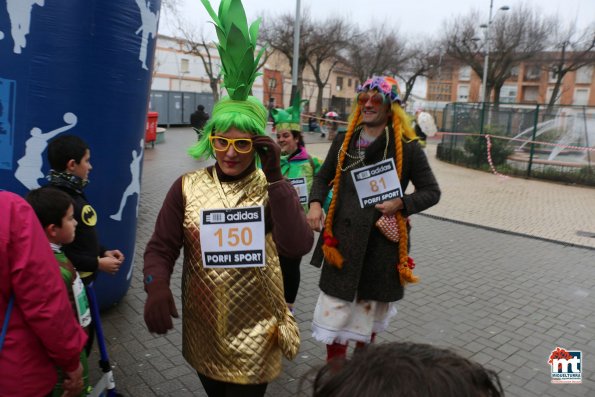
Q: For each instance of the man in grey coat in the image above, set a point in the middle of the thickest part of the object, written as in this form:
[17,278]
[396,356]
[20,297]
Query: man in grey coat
[363,247]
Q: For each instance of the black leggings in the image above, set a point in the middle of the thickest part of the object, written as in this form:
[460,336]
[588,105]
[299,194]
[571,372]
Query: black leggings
[217,388]
[290,268]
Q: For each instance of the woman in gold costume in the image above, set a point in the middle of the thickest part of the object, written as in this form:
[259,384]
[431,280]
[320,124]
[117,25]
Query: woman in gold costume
[233,220]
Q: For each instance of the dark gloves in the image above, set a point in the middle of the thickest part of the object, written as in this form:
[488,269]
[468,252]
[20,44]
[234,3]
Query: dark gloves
[159,307]
[270,157]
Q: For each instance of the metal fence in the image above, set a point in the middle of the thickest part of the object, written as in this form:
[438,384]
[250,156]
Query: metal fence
[517,139]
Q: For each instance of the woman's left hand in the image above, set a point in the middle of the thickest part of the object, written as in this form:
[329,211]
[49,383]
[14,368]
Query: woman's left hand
[390,207]
[270,157]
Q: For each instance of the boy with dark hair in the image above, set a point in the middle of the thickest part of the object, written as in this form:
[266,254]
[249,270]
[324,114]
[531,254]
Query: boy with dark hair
[55,211]
[69,158]
[406,369]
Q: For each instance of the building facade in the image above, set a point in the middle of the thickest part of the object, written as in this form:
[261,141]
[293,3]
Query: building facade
[180,82]
[531,82]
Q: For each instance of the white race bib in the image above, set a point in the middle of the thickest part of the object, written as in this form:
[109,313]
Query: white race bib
[81,301]
[377,183]
[300,186]
[232,237]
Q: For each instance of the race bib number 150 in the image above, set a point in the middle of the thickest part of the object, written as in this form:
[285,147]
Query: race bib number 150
[232,237]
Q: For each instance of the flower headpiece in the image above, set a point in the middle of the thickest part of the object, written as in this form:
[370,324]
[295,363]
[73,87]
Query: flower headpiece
[384,85]
[290,118]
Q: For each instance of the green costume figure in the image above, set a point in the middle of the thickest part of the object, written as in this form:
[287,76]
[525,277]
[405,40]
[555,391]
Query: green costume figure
[296,164]
[299,167]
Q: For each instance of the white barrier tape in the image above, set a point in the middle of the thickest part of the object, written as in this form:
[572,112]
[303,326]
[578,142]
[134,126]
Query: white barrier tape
[580,148]
[489,150]
[307,116]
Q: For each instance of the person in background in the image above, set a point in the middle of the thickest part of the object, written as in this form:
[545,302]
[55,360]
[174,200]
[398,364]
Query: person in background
[198,119]
[55,211]
[312,123]
[425,126]
[299,168]
[236,324]
[418,130]
[333,126]
[365,248]
[40,332]
[323,123]
[401,369]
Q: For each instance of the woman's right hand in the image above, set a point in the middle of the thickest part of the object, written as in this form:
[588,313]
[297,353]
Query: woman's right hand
[270,155]
[315,216]
[160,307]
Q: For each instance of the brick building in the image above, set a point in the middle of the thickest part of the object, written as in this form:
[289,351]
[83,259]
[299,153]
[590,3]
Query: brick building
[531,82]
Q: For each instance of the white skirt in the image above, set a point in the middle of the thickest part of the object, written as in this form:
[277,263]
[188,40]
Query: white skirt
[336,320]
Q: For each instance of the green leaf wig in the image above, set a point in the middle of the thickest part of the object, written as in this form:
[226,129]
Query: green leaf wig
[236,47]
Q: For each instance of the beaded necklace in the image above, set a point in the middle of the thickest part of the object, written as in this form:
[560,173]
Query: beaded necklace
[359,157]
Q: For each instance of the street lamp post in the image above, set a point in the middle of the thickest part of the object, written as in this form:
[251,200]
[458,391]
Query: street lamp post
[486,60]
[296,50]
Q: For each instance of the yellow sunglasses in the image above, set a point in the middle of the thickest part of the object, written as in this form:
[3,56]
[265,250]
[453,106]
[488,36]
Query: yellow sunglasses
[221,144]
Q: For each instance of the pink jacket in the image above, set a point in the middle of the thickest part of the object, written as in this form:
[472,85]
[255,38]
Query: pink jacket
[43,332]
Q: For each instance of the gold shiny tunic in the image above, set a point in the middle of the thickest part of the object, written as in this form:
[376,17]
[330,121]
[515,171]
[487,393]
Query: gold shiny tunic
[229,323]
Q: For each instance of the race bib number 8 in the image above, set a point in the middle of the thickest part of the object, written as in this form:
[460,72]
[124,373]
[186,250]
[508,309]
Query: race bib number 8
[377,183]
[232,237]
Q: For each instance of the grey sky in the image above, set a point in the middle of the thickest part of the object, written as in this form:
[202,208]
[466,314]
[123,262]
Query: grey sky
[411,17]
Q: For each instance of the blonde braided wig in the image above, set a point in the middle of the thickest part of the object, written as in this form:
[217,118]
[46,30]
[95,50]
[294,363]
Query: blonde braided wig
[401,130]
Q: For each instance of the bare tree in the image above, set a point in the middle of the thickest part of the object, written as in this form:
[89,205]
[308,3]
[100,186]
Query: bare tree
[375,51]
[205,52]
[197,44]
[422,57]
[277,33]
[332,35]
[170,6]
[575,49]
[514,37]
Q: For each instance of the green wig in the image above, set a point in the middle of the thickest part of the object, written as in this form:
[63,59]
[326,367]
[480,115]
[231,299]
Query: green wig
[236,47]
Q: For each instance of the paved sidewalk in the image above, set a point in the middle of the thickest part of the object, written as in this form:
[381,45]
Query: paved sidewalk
[499,298]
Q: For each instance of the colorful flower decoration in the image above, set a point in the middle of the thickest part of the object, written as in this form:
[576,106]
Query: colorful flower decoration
[384,85]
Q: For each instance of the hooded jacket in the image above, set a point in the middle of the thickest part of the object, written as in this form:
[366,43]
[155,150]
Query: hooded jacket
[42,331]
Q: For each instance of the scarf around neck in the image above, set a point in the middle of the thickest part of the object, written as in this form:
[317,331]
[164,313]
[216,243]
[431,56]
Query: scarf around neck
[70,181]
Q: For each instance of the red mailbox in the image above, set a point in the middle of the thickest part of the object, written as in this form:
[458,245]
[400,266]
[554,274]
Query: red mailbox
[151,131]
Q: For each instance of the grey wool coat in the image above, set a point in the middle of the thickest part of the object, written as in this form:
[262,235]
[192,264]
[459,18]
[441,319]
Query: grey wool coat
[369,269]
